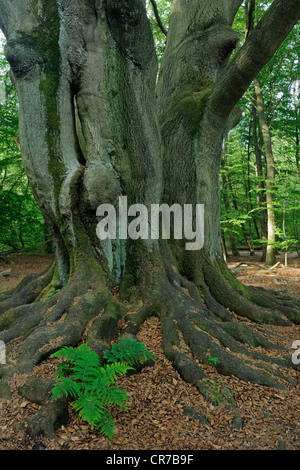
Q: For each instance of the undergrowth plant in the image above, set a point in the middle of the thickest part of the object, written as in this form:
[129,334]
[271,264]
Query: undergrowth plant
[91,387]
[130,351]
[215,389]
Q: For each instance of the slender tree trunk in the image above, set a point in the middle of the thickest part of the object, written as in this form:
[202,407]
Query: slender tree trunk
[270,197]
[243,228]
[231,236]
[249,183]
[260,187]
[224,247]
[297,136]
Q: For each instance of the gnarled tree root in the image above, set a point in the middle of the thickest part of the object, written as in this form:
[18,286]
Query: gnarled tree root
[196,321]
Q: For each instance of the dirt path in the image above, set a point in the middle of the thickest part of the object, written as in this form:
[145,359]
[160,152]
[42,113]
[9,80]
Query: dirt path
[156,417]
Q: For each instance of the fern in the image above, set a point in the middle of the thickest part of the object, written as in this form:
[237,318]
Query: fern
[89,407]
[129,350]
[90,387]
[67,353]
[108,373]
[113,396]
[106,425]
[66,387]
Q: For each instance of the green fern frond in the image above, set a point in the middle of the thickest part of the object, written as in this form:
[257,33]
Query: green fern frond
[91,387]
[84,371]
[108,373]
[83,352]
[129,350]
[66,387]
[62,370]
[112,395]
[106,425]
[67,353]
[89,408]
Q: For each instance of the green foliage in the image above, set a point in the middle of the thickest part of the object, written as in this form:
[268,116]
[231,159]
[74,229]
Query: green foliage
[240,205]
[129,350]
[216,391]
[164,9]
[21,222]
[92,388]
[52,291]
[213,360]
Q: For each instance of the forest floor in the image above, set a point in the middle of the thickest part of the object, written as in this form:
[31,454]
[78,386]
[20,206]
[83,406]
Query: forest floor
[156,417]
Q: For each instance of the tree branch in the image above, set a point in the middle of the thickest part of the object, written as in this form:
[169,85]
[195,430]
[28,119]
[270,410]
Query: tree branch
[22,250]
[258,49]
[8,14]
[233,6]
[159,22]
[4,5]
[250,17]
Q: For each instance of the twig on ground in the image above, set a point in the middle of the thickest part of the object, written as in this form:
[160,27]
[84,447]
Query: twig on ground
[258,266]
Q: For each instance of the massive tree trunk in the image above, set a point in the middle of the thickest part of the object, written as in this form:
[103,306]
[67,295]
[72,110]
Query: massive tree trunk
[95,125]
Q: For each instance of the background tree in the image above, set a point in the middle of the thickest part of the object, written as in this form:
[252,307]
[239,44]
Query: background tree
[21,221]
[277,80]
[95,123]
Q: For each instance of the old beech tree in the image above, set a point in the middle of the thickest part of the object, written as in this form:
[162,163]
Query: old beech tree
[96,122]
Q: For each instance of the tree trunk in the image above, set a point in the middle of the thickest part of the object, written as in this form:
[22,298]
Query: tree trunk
[260,186]
[95,127]
[231,235]
[297,139]
[270,197]
[243,228]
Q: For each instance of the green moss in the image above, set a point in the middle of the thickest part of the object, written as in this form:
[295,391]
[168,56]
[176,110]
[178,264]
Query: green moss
[141,268]
[132,266]
[113,309]
[45,40]
[230,278]
[127,283]
[2,371]
[189,104]
[7,320]
[216,19]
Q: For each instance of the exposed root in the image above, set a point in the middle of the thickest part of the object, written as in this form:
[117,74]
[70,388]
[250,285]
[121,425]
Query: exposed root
[246,302]
[209,340]
[187,324]
[196,322]
[26,291]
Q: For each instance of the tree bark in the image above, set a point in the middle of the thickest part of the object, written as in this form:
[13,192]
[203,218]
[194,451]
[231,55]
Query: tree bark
[260,186]
[270,179]
[297,139]
[231,235]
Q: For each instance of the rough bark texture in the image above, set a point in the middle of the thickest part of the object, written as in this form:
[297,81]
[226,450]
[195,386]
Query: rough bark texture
[94,126]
